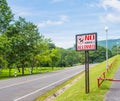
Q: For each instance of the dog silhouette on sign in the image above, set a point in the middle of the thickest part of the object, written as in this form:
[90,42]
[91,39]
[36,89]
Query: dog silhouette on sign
[81,40]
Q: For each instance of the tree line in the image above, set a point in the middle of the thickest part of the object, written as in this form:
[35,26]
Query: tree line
[22,45]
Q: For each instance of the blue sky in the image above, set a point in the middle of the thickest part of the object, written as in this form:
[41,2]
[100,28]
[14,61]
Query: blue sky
[61,20]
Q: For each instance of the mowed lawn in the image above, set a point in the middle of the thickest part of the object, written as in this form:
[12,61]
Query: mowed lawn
[77,91]
[4,73]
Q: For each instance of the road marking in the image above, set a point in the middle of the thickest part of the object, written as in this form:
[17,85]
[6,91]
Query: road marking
[25,81]
[29,81]
[22,97]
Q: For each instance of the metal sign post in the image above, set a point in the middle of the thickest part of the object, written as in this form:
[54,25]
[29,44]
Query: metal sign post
[86,42]
[87,88]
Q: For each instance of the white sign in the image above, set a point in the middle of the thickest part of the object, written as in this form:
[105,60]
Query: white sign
[86,41]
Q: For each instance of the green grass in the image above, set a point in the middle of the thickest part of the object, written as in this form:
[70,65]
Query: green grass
[4,73]
[51,92]
[77,91]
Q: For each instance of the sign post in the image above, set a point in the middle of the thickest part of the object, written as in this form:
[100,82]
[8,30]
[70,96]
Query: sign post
[87,72]
[86,42]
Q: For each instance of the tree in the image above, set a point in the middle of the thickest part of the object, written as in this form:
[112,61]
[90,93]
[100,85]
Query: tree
[43,59]
[62,62]
[55,57]
[24,37]
[69,57]
[3,50]
[99,55]
[6,16]
[51,45]
[115,50]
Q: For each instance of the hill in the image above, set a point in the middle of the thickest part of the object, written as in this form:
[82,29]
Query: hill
[111,43]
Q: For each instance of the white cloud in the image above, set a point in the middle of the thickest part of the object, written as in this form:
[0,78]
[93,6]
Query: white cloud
[112,8]
[49,22]
[114,4]
[55,1]
[62,20]
[62,39]
[111,17]
[21,11]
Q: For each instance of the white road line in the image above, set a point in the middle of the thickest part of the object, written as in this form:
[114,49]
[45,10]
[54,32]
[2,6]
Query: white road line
[28,81]
[25,81]
[22,97]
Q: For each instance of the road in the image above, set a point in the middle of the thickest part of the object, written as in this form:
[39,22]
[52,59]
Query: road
[29,87]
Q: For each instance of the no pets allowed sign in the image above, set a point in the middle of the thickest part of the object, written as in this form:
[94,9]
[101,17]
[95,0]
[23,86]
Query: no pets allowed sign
[86,41]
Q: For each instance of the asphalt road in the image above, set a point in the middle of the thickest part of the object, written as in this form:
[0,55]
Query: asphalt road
[29,87]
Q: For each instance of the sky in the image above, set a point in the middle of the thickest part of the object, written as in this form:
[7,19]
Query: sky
[62,20]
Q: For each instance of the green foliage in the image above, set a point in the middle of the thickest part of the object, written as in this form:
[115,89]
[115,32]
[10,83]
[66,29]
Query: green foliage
[115,50]
[3,63]
[99,55]
[24,42]
[6,16]
[55,57]
[69,57]
[28,47]
[4,48]
[43,59]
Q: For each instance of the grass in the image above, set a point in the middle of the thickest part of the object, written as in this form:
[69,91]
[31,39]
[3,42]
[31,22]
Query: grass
[51,92]
[77,91]
[4,73]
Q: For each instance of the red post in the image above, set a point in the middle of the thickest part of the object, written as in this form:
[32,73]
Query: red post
[104,74]
[98,82]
